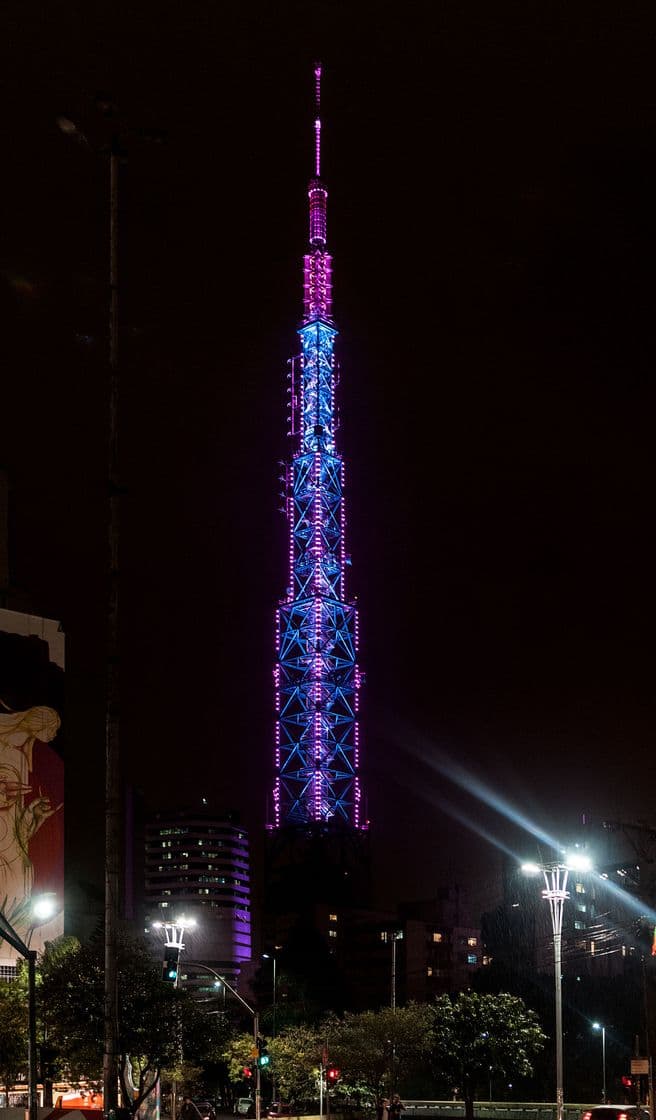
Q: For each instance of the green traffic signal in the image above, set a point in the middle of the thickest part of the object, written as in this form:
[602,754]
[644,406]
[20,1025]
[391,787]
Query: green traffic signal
[263,1058]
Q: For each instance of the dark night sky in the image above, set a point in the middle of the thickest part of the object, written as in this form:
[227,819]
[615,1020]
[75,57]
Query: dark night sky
[492,184]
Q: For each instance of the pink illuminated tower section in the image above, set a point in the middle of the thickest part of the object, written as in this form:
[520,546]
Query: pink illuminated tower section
[317,679]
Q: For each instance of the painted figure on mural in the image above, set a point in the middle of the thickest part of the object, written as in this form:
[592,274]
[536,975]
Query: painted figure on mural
[21,816]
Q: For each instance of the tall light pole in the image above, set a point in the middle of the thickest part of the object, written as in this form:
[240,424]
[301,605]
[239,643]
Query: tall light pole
[256,1030]
[395,935]
[600,1027]
[112,150]
[272,958]
[173,946]
[43,909]
[112,753]
[556,893]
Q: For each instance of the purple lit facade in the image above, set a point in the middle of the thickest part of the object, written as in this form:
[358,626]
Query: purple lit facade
[317,678]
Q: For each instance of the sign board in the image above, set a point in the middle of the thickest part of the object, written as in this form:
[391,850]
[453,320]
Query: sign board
[640,1066]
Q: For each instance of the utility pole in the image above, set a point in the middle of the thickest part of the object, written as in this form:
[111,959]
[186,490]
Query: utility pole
[112,745]
[112,651]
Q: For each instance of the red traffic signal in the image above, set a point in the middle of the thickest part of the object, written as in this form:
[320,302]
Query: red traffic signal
[247,1071]
[627,1082]
[332,1073]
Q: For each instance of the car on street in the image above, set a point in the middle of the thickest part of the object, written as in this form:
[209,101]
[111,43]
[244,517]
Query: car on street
[206,1110]
[279,1110]
[616,1112]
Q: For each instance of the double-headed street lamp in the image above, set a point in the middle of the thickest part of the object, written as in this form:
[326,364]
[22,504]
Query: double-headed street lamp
[555,892]
[173,944]
[600,1027]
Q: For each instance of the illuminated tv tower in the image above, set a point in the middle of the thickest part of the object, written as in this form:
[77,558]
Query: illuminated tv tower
[317,678]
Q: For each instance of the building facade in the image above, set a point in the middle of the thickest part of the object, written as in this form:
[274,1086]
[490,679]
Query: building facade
[31,780]
[197,866]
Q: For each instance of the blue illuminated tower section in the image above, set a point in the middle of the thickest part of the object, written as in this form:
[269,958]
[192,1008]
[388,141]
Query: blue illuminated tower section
[317,678]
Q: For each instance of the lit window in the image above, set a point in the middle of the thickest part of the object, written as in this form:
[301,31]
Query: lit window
[437,937]
[332,917]
[332,933]
[579,925]
[579,888]
[592,948]
[487,960]
[383,935]
[472,942]
[472,958]
[429,971]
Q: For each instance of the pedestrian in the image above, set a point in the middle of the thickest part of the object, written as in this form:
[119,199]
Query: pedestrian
[382,1109]
[396,1107]
[188,1110]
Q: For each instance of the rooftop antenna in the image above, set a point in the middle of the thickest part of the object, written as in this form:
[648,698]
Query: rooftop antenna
[317,119]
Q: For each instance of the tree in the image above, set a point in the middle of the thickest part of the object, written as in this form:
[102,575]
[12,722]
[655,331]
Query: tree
[157,1022]
[296,1060]
[238,1053]
[474,1035]
[13,1033]
[371,1048]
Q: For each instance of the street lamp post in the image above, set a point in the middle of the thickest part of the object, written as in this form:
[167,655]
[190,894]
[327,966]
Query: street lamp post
[556,893]
[256,1030]
[600,1027]
[173,934]
[112,149]
[8,933]
[396,935]
[272,957]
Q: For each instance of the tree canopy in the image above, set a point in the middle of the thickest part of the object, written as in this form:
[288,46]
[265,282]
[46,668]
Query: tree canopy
[157,1022]
[13,1033]
[473,1035]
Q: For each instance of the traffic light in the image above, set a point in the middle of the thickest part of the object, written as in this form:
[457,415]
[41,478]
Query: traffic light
[263,1058]
[627,1082]
[332,1074]
[247,1071]
[171,963]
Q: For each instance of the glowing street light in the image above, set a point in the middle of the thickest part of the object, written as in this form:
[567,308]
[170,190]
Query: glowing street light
[44,907]
[555,893]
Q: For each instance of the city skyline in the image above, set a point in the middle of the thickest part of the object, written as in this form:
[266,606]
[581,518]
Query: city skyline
[493,236]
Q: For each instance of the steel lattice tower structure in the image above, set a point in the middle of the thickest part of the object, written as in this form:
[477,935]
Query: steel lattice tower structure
[317,679]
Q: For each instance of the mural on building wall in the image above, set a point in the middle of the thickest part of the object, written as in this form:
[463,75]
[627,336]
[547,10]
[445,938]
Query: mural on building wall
[31,777]
[24,808]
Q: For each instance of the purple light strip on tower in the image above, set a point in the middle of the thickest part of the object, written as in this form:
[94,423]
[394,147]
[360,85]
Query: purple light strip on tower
[317,666]
[317,146]
[317,122]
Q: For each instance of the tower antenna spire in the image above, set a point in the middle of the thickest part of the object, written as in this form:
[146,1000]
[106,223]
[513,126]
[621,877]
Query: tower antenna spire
[317,119]
[317,677]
